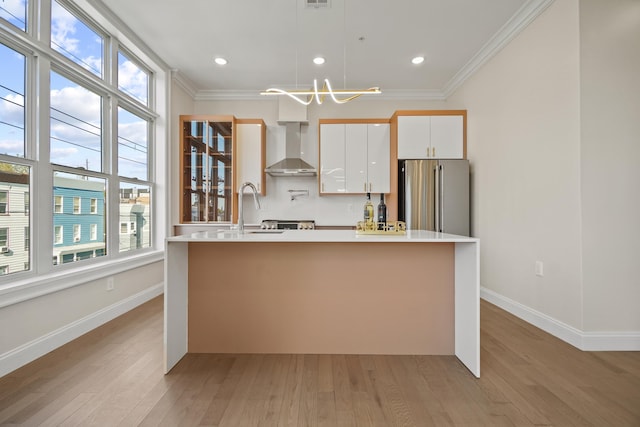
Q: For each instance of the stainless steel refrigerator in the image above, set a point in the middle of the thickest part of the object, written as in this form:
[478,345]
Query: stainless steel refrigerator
[434,195]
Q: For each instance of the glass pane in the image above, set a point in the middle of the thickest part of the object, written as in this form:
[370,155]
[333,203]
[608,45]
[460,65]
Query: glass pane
[135,216]
[75,40]
[12,110]
[133,134]
[14,223]
[73,240]
[132,79]
[76,127]
[14,11]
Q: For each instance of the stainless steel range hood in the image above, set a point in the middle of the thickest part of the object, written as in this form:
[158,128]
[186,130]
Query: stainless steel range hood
[292,164]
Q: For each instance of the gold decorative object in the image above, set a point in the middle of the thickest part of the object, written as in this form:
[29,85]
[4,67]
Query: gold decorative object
[389,228]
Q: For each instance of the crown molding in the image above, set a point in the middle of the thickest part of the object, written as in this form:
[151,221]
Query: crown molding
[184,83]
[523,17]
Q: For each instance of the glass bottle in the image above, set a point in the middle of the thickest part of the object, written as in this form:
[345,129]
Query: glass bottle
[368,210]
[382,213]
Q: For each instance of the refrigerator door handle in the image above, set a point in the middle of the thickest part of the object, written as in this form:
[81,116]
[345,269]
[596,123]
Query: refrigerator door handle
[441,194]
[436,178]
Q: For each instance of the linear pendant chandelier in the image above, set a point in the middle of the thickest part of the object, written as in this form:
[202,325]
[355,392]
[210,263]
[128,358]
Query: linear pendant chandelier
[306,97]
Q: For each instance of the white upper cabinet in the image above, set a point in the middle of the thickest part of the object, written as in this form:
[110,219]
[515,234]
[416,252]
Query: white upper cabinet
[250,152]
[414,137]
[355,158]
[378,157]
[447,137]
[431,137]
[332,158]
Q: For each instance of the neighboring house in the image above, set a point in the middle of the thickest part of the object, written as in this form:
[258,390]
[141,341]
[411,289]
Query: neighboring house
[135,227]
[78,219]
[14,223]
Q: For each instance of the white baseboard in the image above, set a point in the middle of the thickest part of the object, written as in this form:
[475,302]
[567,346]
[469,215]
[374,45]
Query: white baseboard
[30,351]
[587,341]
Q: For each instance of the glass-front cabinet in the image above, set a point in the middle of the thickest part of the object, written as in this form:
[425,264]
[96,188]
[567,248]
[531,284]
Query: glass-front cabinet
[207,179]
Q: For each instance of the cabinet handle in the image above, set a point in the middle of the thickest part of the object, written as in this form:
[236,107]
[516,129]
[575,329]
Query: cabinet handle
[433,151]
[364,187]
[369,187]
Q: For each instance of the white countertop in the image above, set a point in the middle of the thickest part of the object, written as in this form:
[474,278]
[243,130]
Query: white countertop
[304,236]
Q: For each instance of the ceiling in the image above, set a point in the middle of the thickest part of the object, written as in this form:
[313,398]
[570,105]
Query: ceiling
[365,43]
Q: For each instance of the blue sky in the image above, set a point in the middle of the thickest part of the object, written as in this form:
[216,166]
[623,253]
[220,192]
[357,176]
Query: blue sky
[76,112]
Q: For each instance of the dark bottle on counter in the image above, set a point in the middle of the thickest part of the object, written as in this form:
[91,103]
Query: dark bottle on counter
[368,210]
[382,213]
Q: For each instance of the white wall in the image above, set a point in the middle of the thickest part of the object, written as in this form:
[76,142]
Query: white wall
[524,147]
[610,128]
[34,327]
[553,140]
[277,204]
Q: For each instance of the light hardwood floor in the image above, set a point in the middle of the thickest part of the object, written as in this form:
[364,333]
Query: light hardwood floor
[113,376]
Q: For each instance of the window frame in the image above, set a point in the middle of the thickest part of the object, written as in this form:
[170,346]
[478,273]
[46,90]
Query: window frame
[5,203]
[40,60]
[77,210]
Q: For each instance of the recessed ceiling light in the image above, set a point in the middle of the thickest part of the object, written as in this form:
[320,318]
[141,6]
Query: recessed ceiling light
[318,60]
[418,60]
[220,61]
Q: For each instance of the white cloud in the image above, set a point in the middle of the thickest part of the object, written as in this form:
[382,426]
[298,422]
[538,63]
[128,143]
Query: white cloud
[14,8]
[133,80]
[11,146]
[10,112]
[77,102]
[63,26]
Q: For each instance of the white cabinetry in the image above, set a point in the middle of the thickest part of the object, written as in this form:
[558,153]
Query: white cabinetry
[355,158]
[332,158]
[250,160]
[431,137]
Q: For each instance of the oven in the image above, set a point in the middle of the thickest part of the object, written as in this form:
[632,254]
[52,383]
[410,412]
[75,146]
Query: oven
[289,224]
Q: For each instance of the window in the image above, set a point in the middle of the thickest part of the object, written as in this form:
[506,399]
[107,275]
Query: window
[133,134]
[80,187]
[14,185]
[135,217]
[4,237]
[76,125]
[132,79]
[57,204]
[15,12]
[12,101]
[4,202]
[76,40]
[103,127]
[4,269]
[58,237]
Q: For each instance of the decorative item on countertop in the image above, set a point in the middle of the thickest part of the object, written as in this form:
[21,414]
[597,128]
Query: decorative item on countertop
[390,228]
[368,210]
[382,212]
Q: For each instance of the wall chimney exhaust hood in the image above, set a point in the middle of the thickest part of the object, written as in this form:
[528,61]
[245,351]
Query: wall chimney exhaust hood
[292,115]
[292,164]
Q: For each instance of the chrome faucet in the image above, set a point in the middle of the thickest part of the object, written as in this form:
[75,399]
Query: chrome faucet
[241,205]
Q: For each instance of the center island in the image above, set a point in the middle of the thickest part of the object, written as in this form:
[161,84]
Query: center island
[322,292]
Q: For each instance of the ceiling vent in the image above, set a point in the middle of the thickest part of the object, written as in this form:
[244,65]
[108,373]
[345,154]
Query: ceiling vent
[317,4]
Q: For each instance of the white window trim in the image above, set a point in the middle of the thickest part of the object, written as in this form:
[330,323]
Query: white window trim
[43,272]
[79,199]
[55,211]
[93,232]
[55,240]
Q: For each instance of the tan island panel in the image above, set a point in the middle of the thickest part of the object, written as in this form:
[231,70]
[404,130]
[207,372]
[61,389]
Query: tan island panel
[340,298]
